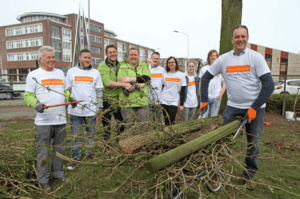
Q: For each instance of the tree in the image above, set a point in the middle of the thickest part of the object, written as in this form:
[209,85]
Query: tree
[231,17]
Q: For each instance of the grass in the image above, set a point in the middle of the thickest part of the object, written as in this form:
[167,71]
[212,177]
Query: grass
[278,176]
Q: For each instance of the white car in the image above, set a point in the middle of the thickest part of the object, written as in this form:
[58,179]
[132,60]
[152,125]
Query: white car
[292,86]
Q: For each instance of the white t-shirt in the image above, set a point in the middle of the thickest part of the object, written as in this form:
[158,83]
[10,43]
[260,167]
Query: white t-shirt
[84,84]
[215,84]
[241,75]
[172,86]
[55,80]
[191,100]
[154,94]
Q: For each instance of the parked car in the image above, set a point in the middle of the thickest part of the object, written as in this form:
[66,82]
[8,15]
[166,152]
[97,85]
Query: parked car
[7,92]
[292,86]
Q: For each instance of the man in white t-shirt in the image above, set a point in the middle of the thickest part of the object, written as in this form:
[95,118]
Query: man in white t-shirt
[46,86]
[249,85]
[155,87]
[84,83]
[216,87]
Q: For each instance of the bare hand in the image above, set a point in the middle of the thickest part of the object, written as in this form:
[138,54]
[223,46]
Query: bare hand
[125,79]
[180,108]
[219,97]
[129,87]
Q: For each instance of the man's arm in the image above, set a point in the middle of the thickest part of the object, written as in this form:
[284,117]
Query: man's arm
[265,92]
[204,85]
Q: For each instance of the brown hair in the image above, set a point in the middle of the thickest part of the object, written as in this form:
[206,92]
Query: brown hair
[133,48]
[85,51]
[239,26]
[209,54]
[110,46]
[176,62]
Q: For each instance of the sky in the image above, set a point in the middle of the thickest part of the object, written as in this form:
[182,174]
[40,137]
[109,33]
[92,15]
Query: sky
[271,23]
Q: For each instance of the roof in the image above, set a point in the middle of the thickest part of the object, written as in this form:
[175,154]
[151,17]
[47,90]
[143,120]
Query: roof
[27,14]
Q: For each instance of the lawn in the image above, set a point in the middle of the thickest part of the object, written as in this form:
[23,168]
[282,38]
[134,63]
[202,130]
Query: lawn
[124,176]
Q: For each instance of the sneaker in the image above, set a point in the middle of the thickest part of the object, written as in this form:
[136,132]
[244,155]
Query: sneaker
[46,187]
[62,179]
[251,184]
[71,166]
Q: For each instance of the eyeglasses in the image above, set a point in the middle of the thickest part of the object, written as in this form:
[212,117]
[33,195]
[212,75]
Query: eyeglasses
[171,62]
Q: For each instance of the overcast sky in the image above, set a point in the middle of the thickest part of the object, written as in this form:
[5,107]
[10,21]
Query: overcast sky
[271,23]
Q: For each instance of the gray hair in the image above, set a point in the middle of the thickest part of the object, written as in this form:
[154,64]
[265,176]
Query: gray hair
[45,48]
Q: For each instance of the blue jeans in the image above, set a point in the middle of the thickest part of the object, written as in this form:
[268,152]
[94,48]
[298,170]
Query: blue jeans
[76,125]
[254,133]
[213,107]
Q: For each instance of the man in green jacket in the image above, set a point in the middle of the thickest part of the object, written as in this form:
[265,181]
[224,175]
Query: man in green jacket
[135,104]
[109,71]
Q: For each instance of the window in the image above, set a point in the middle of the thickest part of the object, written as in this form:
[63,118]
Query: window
[149,53]
[122,48]
[9,44]
[19,44]
[96,50]
[95,39]
[24,30]
[19,31]
[19,57]
[67,58]
[142,54]
[269,61]
[56,44]
[9,32]
[55,31]
[12,72]
[95,28]
[132,46]
[96,61]
[57,56]
[10,57]
[66,45]
[22,74]
[67,32]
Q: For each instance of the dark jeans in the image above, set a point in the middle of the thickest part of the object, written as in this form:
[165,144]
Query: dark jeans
[76,122]
[254,133]
[169,111]
[107,118]
[44,135]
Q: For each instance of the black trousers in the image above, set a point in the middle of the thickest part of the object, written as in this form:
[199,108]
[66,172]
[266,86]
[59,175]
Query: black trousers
[169,111]
[106,119]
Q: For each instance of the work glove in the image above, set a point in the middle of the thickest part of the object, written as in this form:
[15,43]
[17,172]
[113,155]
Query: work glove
[71,99]
[39,107]
[250,115]
[203,107]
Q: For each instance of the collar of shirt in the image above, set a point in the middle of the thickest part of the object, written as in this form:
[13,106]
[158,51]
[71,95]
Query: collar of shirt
[83,68]
[235,54]
[110,64]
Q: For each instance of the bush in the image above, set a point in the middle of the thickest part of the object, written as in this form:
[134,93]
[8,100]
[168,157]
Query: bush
[274,104]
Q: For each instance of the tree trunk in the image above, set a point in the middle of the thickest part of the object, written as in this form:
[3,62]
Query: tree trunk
[231,17]
[184,150]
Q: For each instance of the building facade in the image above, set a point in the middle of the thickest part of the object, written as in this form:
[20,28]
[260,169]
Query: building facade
[281,63]
[19,43]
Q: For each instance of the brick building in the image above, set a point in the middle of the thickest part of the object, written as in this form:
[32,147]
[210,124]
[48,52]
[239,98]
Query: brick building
[182,62]
[19,43]
[279,62]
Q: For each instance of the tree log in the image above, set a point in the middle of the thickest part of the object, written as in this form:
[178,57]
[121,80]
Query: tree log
[133,143]
[186,149]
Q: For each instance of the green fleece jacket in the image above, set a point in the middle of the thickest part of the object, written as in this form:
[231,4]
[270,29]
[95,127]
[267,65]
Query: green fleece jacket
[107,73]
[135,98]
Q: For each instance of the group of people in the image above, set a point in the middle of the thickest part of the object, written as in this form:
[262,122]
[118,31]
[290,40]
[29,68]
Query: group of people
[131,91]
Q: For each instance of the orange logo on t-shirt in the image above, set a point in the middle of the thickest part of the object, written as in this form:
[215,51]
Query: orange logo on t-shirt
[192,83]
[218,75]
[238,69]
[84,79]
[175,80]
[52,82]
[156,75]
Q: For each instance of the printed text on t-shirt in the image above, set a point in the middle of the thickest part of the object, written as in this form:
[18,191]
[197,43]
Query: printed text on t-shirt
[156,75]
[238,69]
[192,83]
[52,82]
[175,80]
[84,79]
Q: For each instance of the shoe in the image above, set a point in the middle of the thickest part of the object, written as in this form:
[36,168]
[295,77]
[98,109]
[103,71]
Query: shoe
[214,182]
[62,179]
[251,184]
[71,166]
[46,187]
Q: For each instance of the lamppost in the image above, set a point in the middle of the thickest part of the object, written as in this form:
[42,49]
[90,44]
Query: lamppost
[187,45]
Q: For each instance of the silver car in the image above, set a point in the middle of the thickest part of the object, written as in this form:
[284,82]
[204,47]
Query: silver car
[292,86]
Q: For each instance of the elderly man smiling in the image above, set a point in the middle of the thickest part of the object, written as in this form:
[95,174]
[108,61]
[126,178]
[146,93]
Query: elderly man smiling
[46,86]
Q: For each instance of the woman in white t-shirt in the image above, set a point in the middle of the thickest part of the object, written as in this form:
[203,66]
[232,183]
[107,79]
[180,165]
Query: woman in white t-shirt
[174,83]
[192,99]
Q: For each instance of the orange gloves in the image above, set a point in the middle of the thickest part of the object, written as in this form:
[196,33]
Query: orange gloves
[203,107]
[250,115]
